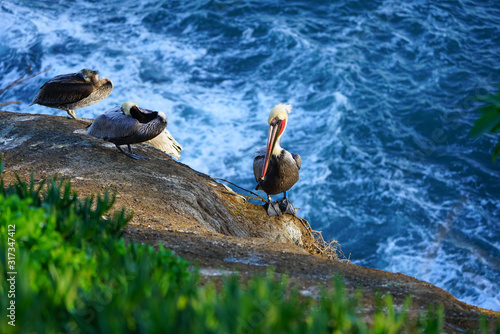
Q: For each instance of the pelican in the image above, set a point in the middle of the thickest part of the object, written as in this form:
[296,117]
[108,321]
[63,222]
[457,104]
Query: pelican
[130,124]
[73,91]
[275,169]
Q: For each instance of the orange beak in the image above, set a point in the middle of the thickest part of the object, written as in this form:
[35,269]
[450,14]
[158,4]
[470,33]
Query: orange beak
[276,128]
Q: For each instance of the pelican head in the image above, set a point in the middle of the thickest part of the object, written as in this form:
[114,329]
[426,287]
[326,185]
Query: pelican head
[126,107]
[141,115]
[90,75]
[278,118]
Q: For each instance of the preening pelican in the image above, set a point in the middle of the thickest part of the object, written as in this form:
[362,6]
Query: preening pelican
[275,169]
[73,91]
[130,124]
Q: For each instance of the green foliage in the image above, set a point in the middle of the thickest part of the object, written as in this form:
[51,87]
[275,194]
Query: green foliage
[433,321]
[390,321]
[488,327]
[266,305]
[74,270]
[489,122]
[76,274]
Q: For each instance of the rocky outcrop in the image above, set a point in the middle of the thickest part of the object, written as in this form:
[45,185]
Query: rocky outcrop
[200,218]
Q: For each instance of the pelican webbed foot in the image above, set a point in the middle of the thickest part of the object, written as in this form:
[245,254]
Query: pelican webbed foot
[131,154]
[272,208]
[286,206]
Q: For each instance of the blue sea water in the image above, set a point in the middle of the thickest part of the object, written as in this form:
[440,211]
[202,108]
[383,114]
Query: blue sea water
[383,94]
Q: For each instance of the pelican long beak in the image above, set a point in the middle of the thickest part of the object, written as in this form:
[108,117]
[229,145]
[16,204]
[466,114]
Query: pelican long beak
[276,128]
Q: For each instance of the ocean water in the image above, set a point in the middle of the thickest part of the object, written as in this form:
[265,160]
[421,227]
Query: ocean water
[383,95]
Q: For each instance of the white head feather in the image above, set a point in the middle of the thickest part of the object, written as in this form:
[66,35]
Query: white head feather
[126,107]
[280,111]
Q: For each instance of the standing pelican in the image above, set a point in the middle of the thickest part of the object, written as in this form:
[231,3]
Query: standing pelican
[130,124]
[72,91]
[275,169]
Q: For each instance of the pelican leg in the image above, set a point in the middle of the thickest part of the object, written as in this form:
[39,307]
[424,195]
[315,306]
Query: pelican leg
[272,208]
[130,154]
[72,114]
[286,206]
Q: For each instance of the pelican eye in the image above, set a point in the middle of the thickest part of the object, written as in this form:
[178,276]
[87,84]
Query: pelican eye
[274,121]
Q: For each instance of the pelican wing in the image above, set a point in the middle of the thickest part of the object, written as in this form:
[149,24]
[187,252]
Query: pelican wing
[298,160]
[113,125]
[63,89]
[258,162]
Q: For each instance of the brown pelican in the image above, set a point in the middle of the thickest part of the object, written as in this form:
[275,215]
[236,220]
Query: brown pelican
[275,169]
[72,91]
[130,124]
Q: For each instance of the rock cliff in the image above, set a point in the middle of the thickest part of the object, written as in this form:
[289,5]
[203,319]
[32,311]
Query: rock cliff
[200,218]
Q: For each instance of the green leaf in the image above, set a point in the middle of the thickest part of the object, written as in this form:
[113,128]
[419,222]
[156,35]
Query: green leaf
[496,128]
[488,108]
[485,124]
[492,100]
[496,151]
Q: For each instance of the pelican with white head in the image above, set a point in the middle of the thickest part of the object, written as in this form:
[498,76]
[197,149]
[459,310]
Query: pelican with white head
[130,124]
[275,169]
